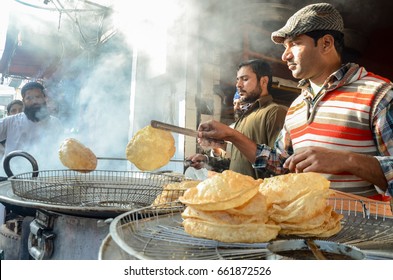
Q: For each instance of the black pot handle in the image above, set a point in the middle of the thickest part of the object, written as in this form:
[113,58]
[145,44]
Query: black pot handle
[29,157]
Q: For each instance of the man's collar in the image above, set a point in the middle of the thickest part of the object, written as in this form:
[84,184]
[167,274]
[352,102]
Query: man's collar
[331,80]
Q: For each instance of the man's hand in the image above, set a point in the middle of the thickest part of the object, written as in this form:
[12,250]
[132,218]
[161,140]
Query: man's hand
[197,161]
[317,159]
[323,160]
[214,130]
[213,134]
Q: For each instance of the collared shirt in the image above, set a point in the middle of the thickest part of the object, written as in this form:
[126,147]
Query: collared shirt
[261,123]
[40,139]
[382,129]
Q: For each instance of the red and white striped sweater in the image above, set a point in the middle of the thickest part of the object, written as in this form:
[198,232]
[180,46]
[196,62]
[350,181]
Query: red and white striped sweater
[338,117]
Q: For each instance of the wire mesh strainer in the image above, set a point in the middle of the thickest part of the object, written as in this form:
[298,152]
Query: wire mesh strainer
[100,188]
[147,234]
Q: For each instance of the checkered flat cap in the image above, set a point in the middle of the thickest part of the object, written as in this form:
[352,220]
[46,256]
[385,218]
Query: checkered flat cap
[321,16]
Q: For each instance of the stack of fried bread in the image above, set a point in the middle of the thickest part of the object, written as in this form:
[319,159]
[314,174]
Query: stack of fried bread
[298,204]
[228,207]
[171,193]
[231,207]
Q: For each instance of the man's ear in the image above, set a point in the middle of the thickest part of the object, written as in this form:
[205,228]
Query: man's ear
[264,81]
[327,42]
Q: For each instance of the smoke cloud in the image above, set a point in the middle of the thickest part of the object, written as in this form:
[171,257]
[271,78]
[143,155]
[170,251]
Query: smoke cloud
[118,68]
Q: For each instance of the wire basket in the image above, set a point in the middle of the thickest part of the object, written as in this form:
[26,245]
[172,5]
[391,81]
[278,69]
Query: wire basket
[146,234]
[99,188]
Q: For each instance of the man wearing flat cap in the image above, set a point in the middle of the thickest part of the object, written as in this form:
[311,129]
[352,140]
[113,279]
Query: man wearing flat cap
[341,125]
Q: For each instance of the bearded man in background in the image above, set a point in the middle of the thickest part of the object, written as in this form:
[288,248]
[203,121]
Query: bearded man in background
[34,130]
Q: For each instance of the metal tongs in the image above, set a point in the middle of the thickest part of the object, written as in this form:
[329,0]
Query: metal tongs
[174,128]
[180,130]
[315,250]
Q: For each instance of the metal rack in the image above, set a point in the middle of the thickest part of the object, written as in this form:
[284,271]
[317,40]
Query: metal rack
[160,236]
[99,188]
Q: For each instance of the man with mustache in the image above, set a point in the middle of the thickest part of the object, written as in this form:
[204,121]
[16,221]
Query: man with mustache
[261,119]
[34,130]
[340,125]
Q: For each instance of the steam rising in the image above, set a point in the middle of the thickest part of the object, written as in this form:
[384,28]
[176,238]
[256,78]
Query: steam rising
[92,94]
[122,63]
[137,61]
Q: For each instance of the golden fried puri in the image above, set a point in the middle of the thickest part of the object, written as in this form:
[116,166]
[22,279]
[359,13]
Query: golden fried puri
[222,191]
[227,208]
[253,212]
[302,208]
[218,217]
[150,148]
[298,204]
[76,156]
[171,193]
[311,223]
[255,205]
[245,233]
[289,187]
[187,184]
[331,226]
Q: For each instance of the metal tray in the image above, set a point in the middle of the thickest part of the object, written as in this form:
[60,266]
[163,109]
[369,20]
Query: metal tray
[160,236]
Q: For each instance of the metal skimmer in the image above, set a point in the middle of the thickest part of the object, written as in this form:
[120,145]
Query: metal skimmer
[160,236]
[99,188]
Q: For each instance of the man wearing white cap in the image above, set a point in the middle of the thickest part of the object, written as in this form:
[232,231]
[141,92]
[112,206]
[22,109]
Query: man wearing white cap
[342,123]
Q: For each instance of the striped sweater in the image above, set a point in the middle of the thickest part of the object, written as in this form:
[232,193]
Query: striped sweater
[339,117]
